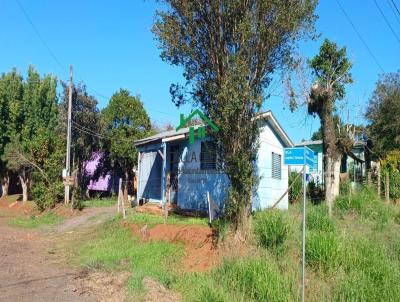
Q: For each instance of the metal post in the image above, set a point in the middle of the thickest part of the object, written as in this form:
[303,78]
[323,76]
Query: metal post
[68,159]
[304,235]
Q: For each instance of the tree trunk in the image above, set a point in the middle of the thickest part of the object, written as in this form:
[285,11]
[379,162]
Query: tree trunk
[5,183]
[24,179]
[24,185]
[332,157]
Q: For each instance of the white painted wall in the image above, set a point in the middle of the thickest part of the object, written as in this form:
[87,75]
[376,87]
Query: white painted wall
[270,189]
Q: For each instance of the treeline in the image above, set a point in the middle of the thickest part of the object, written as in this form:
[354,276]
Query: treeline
[33,134]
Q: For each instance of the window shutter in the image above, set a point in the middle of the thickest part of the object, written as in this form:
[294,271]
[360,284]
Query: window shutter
[276,166]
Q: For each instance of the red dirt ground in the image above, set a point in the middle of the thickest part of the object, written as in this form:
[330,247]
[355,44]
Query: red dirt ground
[201,253]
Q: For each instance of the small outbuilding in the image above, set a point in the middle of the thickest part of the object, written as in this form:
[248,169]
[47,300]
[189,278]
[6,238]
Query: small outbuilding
[174,168]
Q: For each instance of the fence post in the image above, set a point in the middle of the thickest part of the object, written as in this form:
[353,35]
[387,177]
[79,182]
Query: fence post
[387,188]
[119,195]
[378,168]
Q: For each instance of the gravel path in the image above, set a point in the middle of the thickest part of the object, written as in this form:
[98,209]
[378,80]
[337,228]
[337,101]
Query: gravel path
[31,271]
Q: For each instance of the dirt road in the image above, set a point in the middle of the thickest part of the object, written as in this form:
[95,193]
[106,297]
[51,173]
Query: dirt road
[31,269]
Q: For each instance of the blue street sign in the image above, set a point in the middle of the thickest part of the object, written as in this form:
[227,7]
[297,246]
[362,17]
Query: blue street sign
[298,156]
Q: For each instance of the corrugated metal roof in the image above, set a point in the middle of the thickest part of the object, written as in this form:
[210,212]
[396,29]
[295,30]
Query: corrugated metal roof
[307,143]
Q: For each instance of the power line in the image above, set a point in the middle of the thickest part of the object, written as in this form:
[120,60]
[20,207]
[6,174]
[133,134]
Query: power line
[387,22]
[360,37]
[393,4]
[38,34]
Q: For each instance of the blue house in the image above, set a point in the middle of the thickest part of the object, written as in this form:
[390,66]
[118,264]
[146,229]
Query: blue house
[172,168]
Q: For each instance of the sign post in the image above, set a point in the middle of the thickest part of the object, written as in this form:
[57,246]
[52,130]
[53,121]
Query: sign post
[301,156]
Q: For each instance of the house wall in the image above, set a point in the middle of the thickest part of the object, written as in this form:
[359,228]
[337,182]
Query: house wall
[194,183]
[270,189]
[104,183]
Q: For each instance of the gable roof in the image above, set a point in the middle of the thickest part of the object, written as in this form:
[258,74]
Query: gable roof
[182,133]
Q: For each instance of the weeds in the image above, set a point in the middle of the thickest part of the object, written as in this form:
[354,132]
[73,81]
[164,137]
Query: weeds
[317,219]
[37,221]
[271,228]
[323,250]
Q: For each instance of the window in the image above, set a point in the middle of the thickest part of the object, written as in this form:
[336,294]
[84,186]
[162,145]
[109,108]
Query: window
[276,166]
[208,156]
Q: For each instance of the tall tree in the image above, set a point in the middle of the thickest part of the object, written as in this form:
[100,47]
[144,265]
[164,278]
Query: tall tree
[85,125]
[331,70]
[11,92]
[383,114]
[124,120]
[38,118]
[229,51]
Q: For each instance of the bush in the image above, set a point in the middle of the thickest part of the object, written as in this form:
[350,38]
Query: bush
[322,250]
[317,219]
[271,228]
[296,190]
[44,197]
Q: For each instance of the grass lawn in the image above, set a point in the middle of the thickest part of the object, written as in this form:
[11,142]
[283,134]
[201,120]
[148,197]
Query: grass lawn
[99,202]
[36,221]
[354,256]
[151,220]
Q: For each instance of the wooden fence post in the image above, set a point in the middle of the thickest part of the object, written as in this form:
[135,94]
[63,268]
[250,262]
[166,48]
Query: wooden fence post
[378,168]
[119,195]
[387,188]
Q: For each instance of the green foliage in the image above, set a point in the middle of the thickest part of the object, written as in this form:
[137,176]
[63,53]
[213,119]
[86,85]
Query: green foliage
[383,114]
[271,228]
[228,75]
[37,221]
[365,203]
[323,250]
[124,120]
[296,191]
[33,146]
[391,164]
[317,219]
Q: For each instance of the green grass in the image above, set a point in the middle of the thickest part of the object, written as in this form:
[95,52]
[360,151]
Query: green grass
[116,248]
[36,221]
[98,203]
[151,219]
[347,257]
[271,228]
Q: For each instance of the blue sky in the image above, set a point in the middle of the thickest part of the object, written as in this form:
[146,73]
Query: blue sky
[111,46]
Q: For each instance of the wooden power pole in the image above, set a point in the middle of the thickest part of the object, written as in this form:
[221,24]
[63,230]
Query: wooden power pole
[68,159]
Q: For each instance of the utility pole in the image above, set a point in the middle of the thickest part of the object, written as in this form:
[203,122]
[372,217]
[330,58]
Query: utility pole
[68,159]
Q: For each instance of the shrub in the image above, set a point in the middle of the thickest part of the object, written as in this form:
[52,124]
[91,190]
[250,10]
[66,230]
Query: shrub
[322,250]
[271,228]
[317,219]
[296,190]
